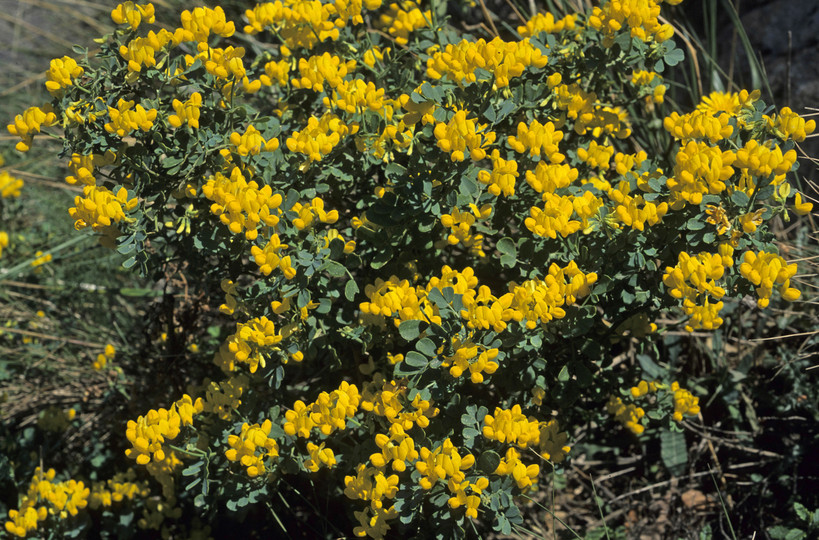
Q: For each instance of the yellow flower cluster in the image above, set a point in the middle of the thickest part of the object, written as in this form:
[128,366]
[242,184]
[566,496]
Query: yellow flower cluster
[247,344]
[102,358]
[389,399]
[187,112]
[597,156]
[442,462]
[762,160]
[403,19]
[200,23]
[240,204]
[462,133]
[693,280]
[126,118]
[4,241]
[328,413]
[133,14]
[10,186]
[356,96]
[640,16]
[251,142]
[700,169]
[627,414]
[789,125]
[502,177]
[350,10]
[320,136]
[582,107]
[148,432]
[300,23]
[375,54]
[243,447]
[459,224]
[142,51]
[83,167]
[512,426]
[371,484]
[374,526]
[99,207]
[277,72]
[555,217]
[60,74]
[41,258]
[223,398]
[460,498]
[540,140]
[549,177]
[643,388]
[684,402]
[502,60]
[317,70]
[537,300]
[46,497]
[650,85]
[511,465]
[308,213]
[399,299]
[545,22]
[635,211]
[29,123]
[769,271]
[467,356]
[117,489]
[699,124]
[269,257]
[320,456]
[641,77]
[397,447]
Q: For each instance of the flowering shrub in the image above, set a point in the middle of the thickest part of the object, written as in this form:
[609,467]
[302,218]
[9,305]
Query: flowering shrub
[345,183]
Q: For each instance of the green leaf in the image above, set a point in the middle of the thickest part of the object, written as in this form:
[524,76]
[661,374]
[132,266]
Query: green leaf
[436,297]
[427,347]
[506,109]
[410,330]
[489,461]
[649,366]
[674,57]
[350,290]
[507,247]
[673,451]
[563,376]
[489,114]
[416,360]
[740,198]
[192,469]
[801,511]
[333,268]
[694,224]
[127,291]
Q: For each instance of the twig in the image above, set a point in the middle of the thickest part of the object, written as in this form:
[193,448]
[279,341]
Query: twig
[53,338]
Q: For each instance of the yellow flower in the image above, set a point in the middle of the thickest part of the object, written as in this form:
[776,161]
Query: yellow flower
[133,14]
[28,124]
[187,111]
[60,74]
[801,208]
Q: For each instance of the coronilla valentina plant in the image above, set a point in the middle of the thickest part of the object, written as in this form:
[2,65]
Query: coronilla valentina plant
[426,246]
